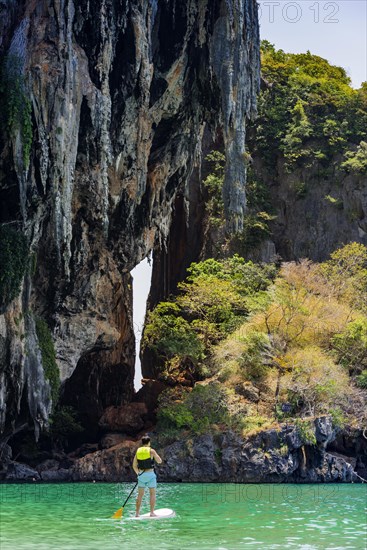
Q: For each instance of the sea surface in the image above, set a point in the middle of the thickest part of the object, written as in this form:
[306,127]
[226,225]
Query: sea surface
[209,517]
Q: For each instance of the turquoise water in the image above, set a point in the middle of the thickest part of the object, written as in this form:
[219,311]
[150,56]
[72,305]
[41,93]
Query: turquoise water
[209,517]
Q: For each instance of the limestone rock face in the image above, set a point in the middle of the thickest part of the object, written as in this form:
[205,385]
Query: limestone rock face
[127,418]
[307,224]
[5,456]
[149,393]
[116,95]
[271,456]
[112,439]
[113,464]
[21,472]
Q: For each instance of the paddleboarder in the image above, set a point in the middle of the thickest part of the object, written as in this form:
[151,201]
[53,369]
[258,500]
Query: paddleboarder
[143,466]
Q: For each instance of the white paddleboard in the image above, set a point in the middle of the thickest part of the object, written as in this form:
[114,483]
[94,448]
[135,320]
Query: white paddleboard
[162,513]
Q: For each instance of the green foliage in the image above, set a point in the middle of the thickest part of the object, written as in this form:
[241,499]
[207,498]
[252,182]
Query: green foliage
[50,367]
[254,359]
[347,261]
[64,424]
[309,112]
[33,264]
[338,417]
[246,277]
[218,453]
[255,229]
[257,220]
[13,263]
[213,301]
[338,203]
[197,410]
[268,337]
[252,424]
[213,183]
[17,105]
[300,189]
[356,161]
[284,450]
[169,333]
[335,133]
[314,383]
[172,339]
[26,129]
[228,370]
[361,380]
[350,346]
[306,431]
[217,302]
[346,271]
[297,133]
[257,217]
[301,342]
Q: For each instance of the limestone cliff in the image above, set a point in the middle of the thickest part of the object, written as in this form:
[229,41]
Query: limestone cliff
[271,456]
[314,218]
[105,106]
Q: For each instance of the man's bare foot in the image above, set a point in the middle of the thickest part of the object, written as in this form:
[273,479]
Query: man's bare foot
[153,515]
[137,515]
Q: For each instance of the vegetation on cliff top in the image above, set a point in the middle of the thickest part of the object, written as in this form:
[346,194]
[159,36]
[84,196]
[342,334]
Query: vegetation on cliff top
[260,338]
[310,123]
[309,112]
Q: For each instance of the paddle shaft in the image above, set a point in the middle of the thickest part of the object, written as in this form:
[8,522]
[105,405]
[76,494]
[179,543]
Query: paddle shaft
[132,490]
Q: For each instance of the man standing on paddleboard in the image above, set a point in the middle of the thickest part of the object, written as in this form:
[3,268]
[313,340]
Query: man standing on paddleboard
[143,466]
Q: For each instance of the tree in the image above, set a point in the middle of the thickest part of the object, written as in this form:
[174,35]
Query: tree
[350,346]
[298,131]
[314,383]
[197,410]
[356,161]
[172,339]
[304,308]
[346,272]
[328,116]
[213,300]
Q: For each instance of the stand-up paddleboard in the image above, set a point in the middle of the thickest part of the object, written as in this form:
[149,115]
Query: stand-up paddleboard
[162,513]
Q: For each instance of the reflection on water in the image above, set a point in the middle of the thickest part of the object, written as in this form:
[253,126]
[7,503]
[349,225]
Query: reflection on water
[209,516]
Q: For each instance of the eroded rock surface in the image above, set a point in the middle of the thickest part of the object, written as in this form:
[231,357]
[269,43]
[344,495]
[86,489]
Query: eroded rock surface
[118,94]
[271,456]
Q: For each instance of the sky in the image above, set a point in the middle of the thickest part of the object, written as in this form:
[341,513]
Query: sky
[142,275]
[336,31]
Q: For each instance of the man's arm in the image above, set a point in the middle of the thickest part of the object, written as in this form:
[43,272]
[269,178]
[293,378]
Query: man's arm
[135,465]
[156,456]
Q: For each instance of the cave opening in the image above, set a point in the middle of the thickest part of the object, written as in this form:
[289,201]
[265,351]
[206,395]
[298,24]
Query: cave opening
[142,276]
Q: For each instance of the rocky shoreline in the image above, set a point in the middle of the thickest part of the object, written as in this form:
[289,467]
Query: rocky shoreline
[271,456]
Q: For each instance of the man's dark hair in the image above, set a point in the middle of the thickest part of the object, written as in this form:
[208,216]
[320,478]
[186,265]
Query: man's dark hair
[145,439]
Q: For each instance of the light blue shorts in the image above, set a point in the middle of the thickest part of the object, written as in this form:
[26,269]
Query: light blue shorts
[147,480]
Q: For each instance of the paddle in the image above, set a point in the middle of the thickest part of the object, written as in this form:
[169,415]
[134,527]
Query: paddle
[119,512]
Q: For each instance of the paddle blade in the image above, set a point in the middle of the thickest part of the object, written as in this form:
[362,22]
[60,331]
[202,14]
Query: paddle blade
[118,514]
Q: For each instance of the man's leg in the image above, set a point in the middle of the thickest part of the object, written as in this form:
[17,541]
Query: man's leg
[139,498]
[152,501]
